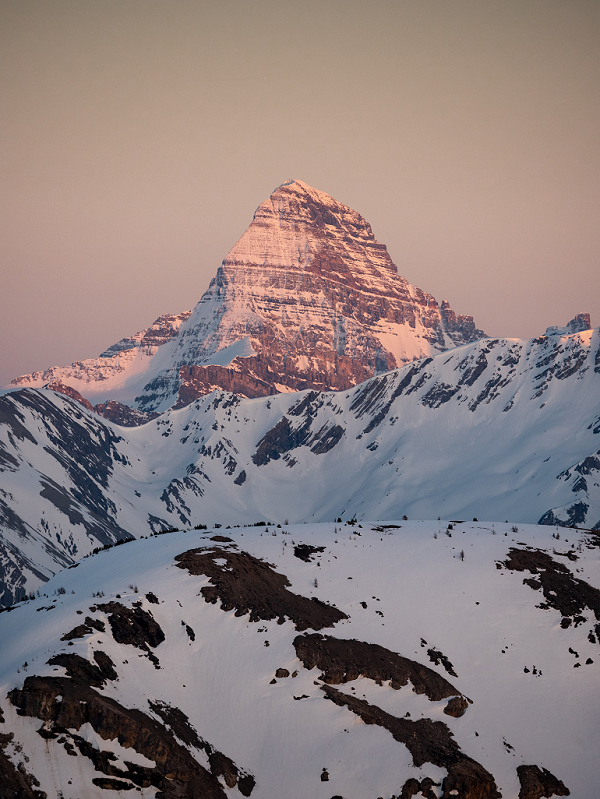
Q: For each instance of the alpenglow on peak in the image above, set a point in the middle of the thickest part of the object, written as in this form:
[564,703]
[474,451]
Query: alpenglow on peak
[307,298]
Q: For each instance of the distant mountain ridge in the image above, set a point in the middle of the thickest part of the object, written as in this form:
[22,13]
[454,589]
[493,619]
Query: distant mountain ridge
[307,298]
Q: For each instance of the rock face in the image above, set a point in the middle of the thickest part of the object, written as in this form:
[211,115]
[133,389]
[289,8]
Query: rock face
[162,330]
[537,782]
[114,411]
[315,301]
[123,415]
[250,586]
[342,661]
[307,298]
[578,324]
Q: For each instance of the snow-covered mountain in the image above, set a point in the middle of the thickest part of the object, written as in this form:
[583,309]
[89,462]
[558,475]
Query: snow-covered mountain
[311,383]
[353,661]
[307,298]
[119,372]
[496,429]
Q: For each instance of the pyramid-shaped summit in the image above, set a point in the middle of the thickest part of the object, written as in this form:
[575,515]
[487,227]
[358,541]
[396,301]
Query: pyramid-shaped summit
[307,298]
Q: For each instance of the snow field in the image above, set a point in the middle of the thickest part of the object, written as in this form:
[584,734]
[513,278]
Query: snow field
[423,589]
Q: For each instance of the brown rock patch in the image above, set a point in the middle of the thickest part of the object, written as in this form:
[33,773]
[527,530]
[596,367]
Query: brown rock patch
[81,669]
[112,784]
[537,782]
[304,551]
[562,591]
[427,741]
[437,657]
[344,660]
[412,787]
[176,773]
[220,764]
[16,782]
[456,707]
[85,629]
[132,625]
[249,585]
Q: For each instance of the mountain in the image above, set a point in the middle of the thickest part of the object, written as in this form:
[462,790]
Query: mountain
[354,661]
[496,429]
[121,370]
[307,298]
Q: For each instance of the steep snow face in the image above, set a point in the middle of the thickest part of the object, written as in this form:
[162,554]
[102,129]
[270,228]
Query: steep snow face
[498,429]
[307,298]
[131,670]
[121,371]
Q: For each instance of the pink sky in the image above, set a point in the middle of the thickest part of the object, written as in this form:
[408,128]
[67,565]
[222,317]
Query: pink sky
[138,137]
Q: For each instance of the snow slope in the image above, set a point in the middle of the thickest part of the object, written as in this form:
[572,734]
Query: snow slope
[529,671]
[122,370]
[500,429]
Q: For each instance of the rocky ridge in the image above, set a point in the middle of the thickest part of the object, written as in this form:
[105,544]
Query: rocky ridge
[115,374]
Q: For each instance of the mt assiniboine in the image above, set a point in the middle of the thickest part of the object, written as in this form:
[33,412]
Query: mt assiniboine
[307,298]
[318,537]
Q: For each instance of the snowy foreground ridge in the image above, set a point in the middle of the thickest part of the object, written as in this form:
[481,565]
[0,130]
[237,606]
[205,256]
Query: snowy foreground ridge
[357,660]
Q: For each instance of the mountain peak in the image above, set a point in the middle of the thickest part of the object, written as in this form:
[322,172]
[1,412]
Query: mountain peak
[297,199]
[299,227]
[300,188]
[307,298]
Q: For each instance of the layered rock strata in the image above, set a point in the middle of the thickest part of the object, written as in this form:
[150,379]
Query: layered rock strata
[313,300]
[307,298]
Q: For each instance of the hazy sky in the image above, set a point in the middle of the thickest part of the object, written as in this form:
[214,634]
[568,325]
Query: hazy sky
[138,137]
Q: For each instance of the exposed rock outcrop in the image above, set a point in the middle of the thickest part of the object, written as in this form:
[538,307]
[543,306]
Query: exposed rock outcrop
[579,323]
[306,551]
[317,301]
[163,329]
[437,657]
[342,660]
[69,391]
[82,669]
[220,764]
[427,741]
[537,783]
[249,585]
[112,410]
[16,782]
[64,703]
[456,707]
[84,629]
[123,415]
[563,591]
[133,625]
